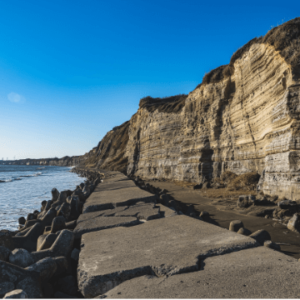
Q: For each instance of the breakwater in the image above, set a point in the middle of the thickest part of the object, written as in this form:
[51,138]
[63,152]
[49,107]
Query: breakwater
[22,188]
[40,258]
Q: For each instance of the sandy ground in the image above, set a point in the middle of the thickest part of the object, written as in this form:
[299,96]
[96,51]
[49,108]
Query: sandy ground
[222,209]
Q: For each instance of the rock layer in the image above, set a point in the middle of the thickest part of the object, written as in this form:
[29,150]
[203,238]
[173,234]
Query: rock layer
[244,117]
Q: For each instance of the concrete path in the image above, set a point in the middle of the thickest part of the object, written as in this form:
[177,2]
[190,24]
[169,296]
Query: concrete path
[120,216]
[116,191]
[173,256]
[250,273]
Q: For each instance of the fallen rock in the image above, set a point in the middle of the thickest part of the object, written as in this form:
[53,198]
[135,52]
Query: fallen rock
[287,204]
[197,186]
[4,253]
[261,236]
[19,294]
[294,223]
[205,185]
[45,267]
[245,201]
[21,258]
[235,225]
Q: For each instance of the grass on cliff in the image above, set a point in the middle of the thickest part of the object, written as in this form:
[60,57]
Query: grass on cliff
[284,38]
[173,104]
[247,181]
[235,185]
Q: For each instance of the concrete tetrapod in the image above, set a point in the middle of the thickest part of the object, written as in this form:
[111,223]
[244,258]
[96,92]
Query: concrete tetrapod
[29,240]
[21,278]
[163,247]
[61,247]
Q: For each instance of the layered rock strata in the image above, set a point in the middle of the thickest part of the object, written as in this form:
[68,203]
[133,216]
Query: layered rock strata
[244,117]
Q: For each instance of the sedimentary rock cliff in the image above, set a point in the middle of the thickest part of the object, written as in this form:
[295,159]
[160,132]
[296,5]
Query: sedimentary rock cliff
[243,117]
[61,162]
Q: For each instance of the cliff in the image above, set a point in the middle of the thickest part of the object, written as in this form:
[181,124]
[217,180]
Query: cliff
[243,117]
[62,162]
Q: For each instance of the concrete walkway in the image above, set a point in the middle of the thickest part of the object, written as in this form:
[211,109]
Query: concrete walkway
[132,248]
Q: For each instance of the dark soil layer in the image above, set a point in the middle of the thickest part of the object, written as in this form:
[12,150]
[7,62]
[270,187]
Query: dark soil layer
[222,212]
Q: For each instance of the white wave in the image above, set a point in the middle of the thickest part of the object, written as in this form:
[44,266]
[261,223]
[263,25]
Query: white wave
[6,180]
[32,175]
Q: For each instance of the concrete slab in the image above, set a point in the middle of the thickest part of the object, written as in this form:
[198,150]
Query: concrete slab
[100,223]
[143,211]
[119,216]
[166,211]
[101,213]
[163,247]
[252,273]
[116,191]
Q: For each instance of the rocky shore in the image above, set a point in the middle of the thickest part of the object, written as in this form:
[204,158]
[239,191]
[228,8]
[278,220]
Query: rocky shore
[40,259]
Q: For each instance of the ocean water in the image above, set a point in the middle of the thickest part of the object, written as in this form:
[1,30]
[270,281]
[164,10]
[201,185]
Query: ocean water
[23,188]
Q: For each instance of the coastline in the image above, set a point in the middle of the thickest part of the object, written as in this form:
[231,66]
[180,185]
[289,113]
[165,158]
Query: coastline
[43,249]
[54,248]
[24,188]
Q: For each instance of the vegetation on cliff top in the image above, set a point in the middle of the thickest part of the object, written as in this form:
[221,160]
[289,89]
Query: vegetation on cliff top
[285,39]
[173,104]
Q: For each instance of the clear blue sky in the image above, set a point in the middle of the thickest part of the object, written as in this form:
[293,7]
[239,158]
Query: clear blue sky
[72,70]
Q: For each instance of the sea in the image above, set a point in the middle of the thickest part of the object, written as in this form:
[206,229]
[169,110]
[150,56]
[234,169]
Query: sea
[23,188]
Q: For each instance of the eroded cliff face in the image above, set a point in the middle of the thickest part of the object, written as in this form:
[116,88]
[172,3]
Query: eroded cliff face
[244,117]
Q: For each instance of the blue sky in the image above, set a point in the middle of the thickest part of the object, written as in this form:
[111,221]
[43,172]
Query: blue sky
[72,70]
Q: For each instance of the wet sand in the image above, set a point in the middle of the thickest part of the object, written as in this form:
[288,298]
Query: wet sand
[223,211]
